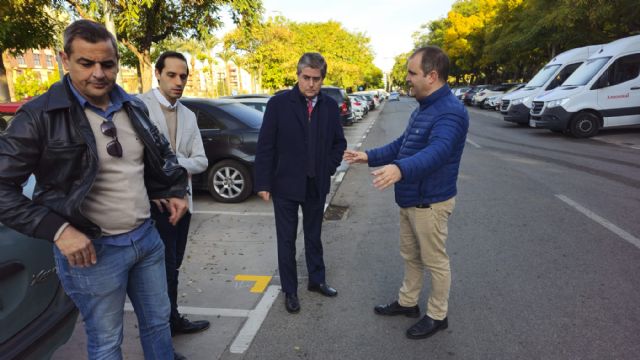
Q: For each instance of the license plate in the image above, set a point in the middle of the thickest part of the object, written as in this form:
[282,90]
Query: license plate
[532,123]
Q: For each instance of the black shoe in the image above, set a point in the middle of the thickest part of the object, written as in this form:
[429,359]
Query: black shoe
[396,309]
[178,356]
[291,303]
[182,325]
[323,289]
[426,327]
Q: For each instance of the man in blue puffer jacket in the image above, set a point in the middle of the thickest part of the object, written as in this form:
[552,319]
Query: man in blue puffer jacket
[423,164]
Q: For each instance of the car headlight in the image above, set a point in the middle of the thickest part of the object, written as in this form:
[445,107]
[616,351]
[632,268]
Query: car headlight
[556,103]
[520,100]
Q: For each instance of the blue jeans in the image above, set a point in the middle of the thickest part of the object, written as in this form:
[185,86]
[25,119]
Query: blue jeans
[99,293]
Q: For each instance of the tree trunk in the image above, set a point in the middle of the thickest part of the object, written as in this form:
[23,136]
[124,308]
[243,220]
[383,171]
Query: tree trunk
[4,84]
[145,70]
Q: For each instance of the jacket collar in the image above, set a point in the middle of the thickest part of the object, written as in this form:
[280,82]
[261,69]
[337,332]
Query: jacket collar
[296,96]
[61,96]
[427,101]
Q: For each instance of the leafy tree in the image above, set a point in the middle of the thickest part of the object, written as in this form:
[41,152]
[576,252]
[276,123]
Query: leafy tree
[272,50]
[28,84]
[24,24]
[141,24]
[398,73]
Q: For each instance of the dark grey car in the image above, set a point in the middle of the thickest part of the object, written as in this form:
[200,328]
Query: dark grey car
[36,316]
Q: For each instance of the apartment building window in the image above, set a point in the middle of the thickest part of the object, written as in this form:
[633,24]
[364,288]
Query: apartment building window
[20,59]
[36,60]
[49,61]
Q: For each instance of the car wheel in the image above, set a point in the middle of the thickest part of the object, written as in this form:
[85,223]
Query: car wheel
[584,125]
[229,182]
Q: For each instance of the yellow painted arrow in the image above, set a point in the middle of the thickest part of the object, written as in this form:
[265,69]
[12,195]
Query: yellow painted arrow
[261,281]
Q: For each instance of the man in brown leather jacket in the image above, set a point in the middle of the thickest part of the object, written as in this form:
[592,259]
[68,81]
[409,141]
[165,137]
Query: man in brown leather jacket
[98,160]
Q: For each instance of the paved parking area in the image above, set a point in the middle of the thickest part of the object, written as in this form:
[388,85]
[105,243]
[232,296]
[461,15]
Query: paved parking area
[626,137]
[227,243]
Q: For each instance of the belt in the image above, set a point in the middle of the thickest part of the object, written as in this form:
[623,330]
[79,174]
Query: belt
[423,206]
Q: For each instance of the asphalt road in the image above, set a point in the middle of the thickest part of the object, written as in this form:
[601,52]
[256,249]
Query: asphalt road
[544,245]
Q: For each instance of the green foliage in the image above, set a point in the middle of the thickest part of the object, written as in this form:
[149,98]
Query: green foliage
[29,84]
[499,40]
[141,24]
[272,49]
[26,25]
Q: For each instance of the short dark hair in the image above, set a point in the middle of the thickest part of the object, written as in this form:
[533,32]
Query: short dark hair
[170,54]
[312,60]
[433,58]
[89,31]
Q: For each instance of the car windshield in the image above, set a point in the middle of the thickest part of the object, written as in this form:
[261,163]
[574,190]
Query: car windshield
[586,72]
[542,76]
[250,116]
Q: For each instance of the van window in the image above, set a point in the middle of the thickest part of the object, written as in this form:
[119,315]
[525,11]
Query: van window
[623,69]
[542,76]
[563,75]
[586,72]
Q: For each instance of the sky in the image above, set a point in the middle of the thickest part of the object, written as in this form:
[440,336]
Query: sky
[389,24]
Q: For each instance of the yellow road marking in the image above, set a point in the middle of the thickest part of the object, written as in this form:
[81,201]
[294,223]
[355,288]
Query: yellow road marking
[261,281]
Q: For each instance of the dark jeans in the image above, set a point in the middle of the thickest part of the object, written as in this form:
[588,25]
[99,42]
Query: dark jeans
[175,243]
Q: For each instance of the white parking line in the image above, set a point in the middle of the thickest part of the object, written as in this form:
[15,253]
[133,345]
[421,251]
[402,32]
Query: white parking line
[474,144]
[600,220]
[252,325]
[340,176]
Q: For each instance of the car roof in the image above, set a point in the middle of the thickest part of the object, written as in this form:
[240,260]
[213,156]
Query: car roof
[247,96]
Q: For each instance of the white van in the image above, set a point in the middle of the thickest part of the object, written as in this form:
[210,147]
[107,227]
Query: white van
[516,106]
[603,92]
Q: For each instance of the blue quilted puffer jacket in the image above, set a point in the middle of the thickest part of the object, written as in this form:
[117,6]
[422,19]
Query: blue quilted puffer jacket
[428,153]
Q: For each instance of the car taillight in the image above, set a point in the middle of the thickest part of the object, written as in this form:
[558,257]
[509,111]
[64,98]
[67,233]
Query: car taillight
[344,109]
[357,103]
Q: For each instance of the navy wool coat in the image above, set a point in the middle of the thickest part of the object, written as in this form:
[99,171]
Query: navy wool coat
[282,151]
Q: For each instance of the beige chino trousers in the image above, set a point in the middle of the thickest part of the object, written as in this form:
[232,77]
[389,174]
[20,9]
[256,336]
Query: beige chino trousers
[423,234]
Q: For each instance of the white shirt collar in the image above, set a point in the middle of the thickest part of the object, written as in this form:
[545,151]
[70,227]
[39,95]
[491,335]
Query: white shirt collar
[162,100]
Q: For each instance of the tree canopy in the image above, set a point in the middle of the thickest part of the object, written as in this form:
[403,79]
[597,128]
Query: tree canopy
[24,24]
[271,49]
[500,40]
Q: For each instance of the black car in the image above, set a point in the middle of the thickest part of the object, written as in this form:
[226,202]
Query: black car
[344,104]
[230,134]
[36,316]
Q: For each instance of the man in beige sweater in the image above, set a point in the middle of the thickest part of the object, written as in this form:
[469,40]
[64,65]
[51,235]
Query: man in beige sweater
[178,124]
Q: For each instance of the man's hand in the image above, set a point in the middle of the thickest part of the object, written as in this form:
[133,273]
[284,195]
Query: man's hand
[177,208]
[355,157]
[161,204]
[76,247]
[386,176]
[264,195]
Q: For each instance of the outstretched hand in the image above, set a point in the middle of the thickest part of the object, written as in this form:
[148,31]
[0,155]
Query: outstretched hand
[355,157]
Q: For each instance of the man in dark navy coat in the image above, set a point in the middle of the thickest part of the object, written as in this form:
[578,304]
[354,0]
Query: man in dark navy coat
[300,146]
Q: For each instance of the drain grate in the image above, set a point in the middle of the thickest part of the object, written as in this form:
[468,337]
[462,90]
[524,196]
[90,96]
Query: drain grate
[335,212]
